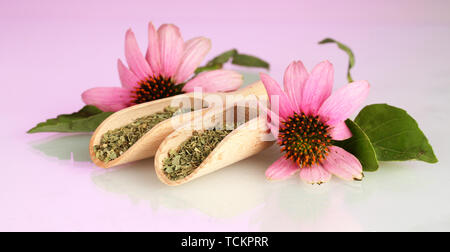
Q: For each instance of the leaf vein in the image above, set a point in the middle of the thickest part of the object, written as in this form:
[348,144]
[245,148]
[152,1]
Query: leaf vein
[384,123]
[398,134]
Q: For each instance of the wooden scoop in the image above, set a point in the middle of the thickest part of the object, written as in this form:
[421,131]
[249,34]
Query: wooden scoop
[148,144]
[246,140]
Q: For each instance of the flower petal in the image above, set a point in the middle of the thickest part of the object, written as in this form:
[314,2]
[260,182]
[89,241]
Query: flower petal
[215,81]
[107,98]
[295,78]
[194,52]
[317,88]
[153,56]
[343,164]
[275,130]
[135,59]
[340,131]
[282,168]
[171,49]
[273,120]
[127,78]
[315,174]
[341,104]
[273,90]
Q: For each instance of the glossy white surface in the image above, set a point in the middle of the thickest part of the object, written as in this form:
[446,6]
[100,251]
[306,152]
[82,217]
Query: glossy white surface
[47,181]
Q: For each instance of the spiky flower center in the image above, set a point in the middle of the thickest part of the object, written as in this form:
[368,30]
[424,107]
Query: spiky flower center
[154,88]
[305,139]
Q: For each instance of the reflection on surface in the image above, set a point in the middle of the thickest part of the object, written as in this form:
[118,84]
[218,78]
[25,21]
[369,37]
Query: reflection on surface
[225,193]
[316,208]
[241,191]
[241,194]
[65,147]
[236,191]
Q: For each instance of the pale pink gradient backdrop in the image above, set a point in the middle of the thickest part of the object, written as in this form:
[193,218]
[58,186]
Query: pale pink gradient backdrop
[51,51]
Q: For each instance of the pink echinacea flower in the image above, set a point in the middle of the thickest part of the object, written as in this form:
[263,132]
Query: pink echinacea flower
[309,118]
[165,71]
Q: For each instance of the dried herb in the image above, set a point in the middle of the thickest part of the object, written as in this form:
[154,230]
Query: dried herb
[115,142]
[191,153]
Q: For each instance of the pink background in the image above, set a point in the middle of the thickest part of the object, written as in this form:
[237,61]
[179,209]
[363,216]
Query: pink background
[51,51]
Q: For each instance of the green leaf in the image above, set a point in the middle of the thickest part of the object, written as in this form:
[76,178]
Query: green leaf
[394,134]
[85,120]
[360,146]
[351,56]
[250,61]
[207,68]
[217,62]
[237,59]
[222,58]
